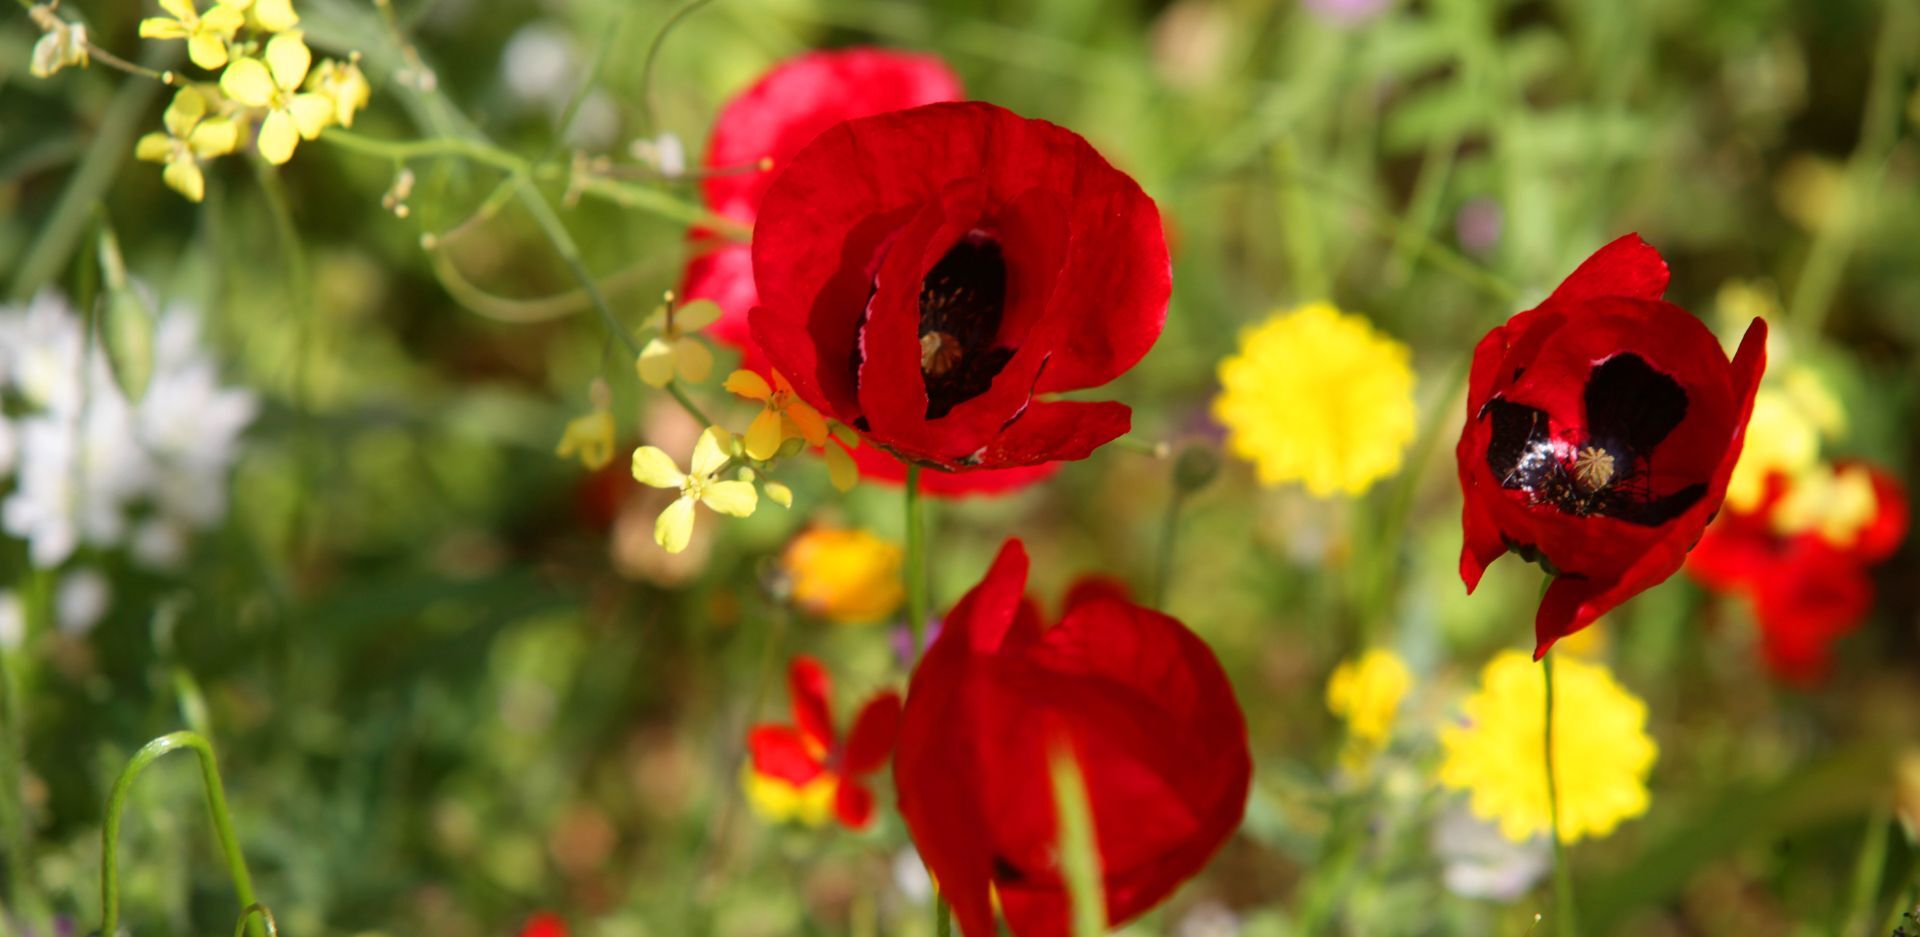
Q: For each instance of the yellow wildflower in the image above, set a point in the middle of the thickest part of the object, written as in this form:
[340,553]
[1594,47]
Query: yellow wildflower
[1367,691]
[61,43]
[272,16]
[344,84]
[841,469]
[1780,438]
[191,136]
[590,435]
[654,468]
[274,84]
[778,800]
[675,350]
[207,34]
[1837,502]
[783,416]
[1319,397]
[1601,751]
[846,576]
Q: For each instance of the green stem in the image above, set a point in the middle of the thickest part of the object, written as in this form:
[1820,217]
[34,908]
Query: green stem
[647,109]
[916,561]
[1569,924]
[1867,866]
[12,820]
[246,918]
[1169,533]
[942,918]
[216,805]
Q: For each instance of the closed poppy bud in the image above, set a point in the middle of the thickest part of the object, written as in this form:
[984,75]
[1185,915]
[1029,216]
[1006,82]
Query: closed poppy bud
[1137,699]
[930,276]
[1601,429]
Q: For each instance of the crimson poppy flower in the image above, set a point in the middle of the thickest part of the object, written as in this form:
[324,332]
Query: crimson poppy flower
[544,924]
[928,276]
[807,760]
[1602,426]
[1137,698]
[1803,560]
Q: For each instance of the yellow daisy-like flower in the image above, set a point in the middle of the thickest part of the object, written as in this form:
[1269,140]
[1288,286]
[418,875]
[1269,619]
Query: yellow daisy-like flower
[845,576]
[191,136]
[207,34]
[778,800]
[274,84]
[1366,692]
[1318,397]
[654,468]
[344,84]
[782,416]
[1601,751]
[675,351]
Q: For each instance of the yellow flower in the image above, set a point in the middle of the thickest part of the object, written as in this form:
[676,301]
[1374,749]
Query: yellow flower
[274,84]
[1780,438]
[846,576]
[344,84]
[675,350]
[1601,751]
[1319,397]
[191,136]
[778,800]
[656,469]
[783,416]
[273,16]
[1367,691]
[590,435]
[61,43]
[207,34]
[1837,502]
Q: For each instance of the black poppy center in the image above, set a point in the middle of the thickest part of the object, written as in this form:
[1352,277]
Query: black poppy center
[961,302]
[1631,408]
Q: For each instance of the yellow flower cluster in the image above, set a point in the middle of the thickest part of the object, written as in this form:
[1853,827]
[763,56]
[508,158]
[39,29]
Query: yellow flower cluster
[1601,751]
[1320,397]
[1366,693]
[268,87]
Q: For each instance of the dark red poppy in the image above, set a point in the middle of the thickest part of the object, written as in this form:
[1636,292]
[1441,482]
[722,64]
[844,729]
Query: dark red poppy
[1602,426]
[1133,695]
[811,750]
[544,924]
[876,465]
[927,276]
[772,120]
[1808,587]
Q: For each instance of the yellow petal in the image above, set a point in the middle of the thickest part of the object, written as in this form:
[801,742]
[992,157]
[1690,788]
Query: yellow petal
[183,176]
[207,50]
[248,81]
[311,113]
[763,436]
[216,137]
[288,57]
[278,137]
[655,364]
[806,423]
[184,112]
[655,469]
[779,494]
[694,360]
[161,27]
[841,470]
[695,316]
[154,148]
[710,452]
[275,15]
[674,529]
[735,498]
[182,10]
[749,385]
[223,21]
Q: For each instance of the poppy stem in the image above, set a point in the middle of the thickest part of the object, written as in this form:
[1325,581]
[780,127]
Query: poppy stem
[1169,533]
[916,561]
[1569,924]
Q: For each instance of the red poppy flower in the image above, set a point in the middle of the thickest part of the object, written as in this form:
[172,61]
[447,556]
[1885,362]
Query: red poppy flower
[544,924]
[773,119]
[810,752]
[1137,698]
[877,465]
[1809,587]
[1602,426]
[925,276]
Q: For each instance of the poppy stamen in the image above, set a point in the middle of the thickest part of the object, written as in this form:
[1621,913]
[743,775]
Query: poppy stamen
[1593,469]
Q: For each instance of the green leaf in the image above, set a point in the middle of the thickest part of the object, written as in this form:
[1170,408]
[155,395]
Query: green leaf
[1079,860]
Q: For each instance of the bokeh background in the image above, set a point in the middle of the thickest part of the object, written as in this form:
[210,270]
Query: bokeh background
[454,682]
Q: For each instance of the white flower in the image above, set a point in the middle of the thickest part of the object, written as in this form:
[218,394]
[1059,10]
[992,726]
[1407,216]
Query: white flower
[190,424]
[539,63]
[1482,863]
[81,600]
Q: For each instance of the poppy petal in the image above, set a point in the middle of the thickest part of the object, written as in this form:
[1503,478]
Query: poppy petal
[782,752]
[853,804]
[811,691]
[870,741]
[1628,266]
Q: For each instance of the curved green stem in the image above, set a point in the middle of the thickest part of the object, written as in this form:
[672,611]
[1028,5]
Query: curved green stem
[1564,909]
[647,109]
[216,805]
[265,913]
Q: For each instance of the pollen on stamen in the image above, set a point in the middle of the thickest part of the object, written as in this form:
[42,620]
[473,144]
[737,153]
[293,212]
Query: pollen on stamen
[1593,468]
[939,352]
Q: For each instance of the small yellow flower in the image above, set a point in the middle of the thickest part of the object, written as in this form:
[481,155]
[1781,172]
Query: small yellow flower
[191,136]
[590,435]
[61,43]
[1781,437]
[782,416]
[675,350]
[207,34]
[656,469]
[841,469]
[1367,691]
[1601,751]
[778,800]
[845,576]
[1837,502]
[344,84]
[1319,397]
[272,16]
[274,84]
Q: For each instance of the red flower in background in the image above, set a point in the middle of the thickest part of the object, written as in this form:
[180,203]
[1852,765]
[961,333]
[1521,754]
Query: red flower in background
[544,924]
[925,276]
[1802,556]
[810,753]
[1601,429]
[1138,699]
